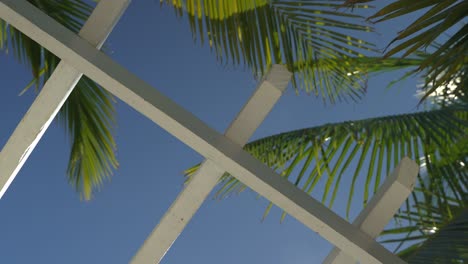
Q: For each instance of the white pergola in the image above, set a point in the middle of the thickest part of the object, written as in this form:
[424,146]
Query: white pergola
[80,55]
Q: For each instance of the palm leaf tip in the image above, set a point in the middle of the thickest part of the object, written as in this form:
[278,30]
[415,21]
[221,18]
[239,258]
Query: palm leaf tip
[88,113]
[88,116]
[447,61]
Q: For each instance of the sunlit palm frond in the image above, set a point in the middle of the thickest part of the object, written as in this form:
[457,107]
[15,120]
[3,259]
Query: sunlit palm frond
[314,39]
[88,113]
[363,67]
[452,92]
[88,117]
[449,60]
[373,146]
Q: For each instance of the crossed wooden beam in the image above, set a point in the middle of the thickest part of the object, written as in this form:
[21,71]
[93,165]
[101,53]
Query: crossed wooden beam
[80,55]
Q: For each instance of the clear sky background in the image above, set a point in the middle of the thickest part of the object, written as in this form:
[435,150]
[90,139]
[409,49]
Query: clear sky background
[42,219]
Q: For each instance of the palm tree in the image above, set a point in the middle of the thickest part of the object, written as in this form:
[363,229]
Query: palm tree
[435,228]
[314,40]
[334,72]
[87,115]
[448,61]
[435,138]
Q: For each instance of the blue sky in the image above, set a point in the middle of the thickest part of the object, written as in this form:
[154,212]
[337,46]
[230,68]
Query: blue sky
[42,219]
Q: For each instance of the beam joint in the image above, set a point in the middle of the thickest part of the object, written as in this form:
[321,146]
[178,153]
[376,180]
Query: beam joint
[208,175]
[54,94]
[382,207]
[183,125]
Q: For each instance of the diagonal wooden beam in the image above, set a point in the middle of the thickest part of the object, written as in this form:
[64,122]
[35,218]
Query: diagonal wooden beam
[193,132]
[208,175]
[53,95]
[382,207]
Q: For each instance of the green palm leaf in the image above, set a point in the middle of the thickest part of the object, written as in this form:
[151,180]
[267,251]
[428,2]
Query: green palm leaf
[359,67]
[444,242]
[373,146]
[315,40]
[448,63]
[87,114]
[446,246]
[436,225]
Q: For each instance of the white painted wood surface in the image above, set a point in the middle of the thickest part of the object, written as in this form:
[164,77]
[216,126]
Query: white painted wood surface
[193,132]
[53,95]
[382,207]
[202,183]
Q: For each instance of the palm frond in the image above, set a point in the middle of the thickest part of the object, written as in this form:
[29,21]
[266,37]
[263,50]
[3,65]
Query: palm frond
[87,114]
[448,63]
[312,38]
[69,13]
[373,146]
[448,245]
[435,228]
[443,242]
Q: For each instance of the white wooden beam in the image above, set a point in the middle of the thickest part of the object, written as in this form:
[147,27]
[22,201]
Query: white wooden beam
[54,93]
[382,207]
[193,132]
[202,183]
